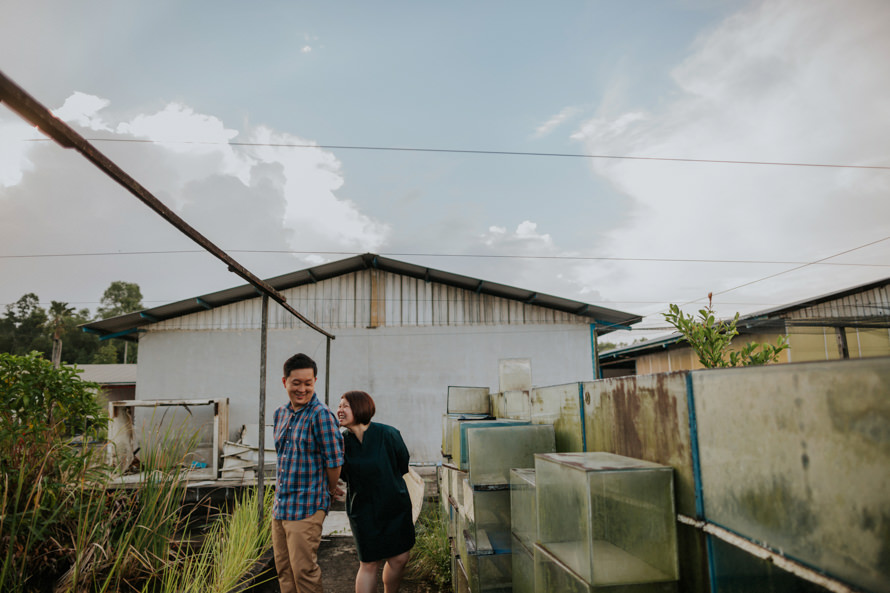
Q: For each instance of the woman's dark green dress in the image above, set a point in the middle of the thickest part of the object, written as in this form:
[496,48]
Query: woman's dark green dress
[377,501]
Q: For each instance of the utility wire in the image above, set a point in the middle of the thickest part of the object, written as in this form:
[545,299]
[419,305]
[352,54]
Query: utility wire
[484,152]
[450,255]
[798,267]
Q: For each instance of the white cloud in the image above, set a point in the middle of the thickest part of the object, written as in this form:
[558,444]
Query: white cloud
[82,109]
[240,197]
[526,239]
[16,139]
[306,49]
[792,81]
[566,114]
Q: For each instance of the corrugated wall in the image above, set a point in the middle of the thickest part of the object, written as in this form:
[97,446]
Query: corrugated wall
[374,298]
[862,304]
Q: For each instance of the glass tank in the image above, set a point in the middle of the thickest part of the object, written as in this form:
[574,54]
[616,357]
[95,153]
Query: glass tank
[515,374]
[449,425]
[459,437]
[468,400]
[609,519]
[493,451]
[515,405]
[523,568]
[459,582]
[553,575]
[489,573]
[523,506]
[489,523]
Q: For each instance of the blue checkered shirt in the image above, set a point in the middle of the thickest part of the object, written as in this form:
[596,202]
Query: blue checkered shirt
[307,442]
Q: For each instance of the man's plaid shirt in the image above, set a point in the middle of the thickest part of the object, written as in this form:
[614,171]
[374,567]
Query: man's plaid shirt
[307,442]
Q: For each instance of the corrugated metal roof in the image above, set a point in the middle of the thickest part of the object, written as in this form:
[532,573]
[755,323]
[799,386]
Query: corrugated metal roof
[109,374]
[124,326]
[751,323]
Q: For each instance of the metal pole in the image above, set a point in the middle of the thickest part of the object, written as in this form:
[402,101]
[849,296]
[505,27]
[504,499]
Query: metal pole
[261,456]
[327,375]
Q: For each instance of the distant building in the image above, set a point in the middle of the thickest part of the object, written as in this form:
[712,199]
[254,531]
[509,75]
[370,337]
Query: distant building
[851,323]
[118,381]
[404,333]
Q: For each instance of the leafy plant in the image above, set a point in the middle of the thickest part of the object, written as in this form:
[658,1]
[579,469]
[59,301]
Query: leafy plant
[48,418]
[230,550]
[710,339]
[431,555]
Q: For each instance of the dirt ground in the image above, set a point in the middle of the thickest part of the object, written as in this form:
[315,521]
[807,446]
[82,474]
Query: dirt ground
[338,561]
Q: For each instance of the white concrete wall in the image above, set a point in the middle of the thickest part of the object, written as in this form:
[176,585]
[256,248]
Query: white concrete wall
[406,369]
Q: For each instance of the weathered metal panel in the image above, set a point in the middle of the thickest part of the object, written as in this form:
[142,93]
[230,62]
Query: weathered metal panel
[425,303]
[346,302]
[644,417]
[560,405]
[798,457]
[647,417]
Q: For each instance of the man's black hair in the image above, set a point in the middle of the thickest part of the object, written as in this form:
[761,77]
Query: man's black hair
[300,361]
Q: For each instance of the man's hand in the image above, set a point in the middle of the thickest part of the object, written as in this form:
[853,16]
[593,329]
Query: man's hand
[339,491]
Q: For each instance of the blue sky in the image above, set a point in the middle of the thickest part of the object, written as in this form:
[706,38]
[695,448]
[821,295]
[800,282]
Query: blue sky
[799,81]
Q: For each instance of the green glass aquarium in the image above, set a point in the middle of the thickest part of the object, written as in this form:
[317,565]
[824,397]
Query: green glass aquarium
[493,451]
[449,426]
[523,568]
[459,456]
[514,374]
[459,582]
[512,405]
[552,575]
[489,573]
[523,506]
[610,519]
[488,521]
[468,400]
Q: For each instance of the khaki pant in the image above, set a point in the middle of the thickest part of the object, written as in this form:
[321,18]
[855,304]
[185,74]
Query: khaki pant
[295,544]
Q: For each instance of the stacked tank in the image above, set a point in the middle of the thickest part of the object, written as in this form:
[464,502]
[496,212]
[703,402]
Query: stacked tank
[522,517]
[475,481]
[604,523]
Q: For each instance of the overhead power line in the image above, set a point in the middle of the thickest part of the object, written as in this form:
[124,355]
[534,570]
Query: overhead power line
[449,255]
[486,152]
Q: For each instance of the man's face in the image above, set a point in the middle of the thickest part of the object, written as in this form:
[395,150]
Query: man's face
[300,385]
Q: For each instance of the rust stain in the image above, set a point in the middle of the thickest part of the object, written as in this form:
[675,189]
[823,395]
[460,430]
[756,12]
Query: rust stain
[626,405]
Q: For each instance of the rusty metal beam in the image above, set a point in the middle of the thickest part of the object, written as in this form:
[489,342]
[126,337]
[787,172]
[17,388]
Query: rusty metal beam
[35,113]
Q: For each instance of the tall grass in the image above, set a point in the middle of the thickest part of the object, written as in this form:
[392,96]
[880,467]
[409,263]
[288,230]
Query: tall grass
[126,534]
[431,555]
[231,548]
[69,525]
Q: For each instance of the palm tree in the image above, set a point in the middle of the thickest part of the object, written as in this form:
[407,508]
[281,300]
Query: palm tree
[59,312]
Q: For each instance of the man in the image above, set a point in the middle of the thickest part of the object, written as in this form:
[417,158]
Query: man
[310,454]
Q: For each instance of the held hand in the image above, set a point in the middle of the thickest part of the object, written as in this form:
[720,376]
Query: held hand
[339,491]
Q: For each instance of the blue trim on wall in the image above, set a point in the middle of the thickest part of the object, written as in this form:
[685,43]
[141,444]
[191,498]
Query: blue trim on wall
[597,372]
[693,439]
[712,568]
[583,421]
[696,474]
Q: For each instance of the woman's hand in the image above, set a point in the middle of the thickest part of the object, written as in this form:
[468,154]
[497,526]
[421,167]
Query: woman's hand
[339,491]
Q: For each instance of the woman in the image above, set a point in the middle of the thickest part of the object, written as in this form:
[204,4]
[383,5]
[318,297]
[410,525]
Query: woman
[377,501]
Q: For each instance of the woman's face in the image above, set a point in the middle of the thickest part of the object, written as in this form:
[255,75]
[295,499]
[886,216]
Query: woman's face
[344,413]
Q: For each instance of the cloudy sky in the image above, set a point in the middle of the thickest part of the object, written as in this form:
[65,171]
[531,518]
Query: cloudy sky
[254,121]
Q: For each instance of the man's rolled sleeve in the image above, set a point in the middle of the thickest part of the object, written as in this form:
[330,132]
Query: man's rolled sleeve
[331,441]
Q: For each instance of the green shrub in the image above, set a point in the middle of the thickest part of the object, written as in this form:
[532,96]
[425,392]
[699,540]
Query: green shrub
[431,555]
[710,339]
[48,418]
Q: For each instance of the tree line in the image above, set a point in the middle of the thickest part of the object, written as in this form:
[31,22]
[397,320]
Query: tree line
[26,326]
